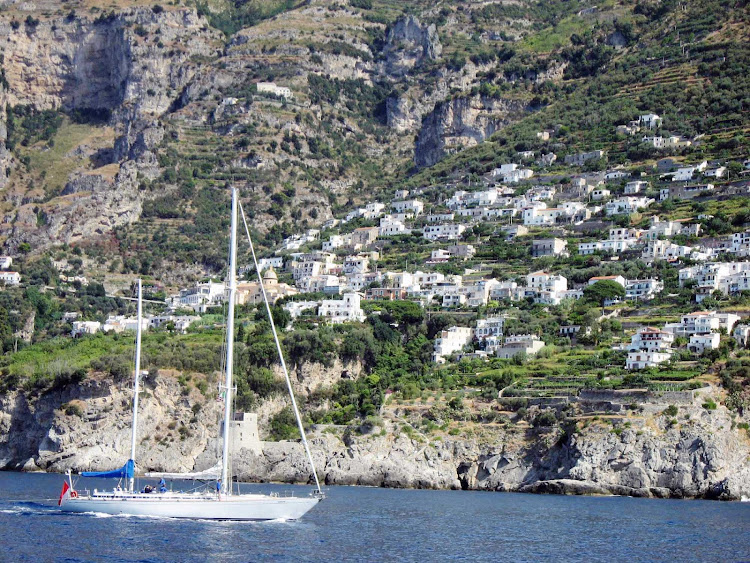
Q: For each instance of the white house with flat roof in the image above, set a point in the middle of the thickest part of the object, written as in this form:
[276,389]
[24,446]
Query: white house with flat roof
[699,343]
[272,88]
[446,232]
[642,359]
[491,326]
[342,310]
[451,341]
[516,344]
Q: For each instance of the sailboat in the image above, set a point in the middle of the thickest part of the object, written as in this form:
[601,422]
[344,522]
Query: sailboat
[221,503]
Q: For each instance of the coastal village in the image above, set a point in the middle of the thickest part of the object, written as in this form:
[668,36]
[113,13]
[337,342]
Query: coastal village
[327,273]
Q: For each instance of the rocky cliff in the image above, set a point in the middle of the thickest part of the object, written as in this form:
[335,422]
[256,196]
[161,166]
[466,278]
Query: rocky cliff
[133,65]
[699,453]
[462,122]
[703,456]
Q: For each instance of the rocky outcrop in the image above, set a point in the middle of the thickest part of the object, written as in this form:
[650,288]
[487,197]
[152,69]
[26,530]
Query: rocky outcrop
[93,206]
[87,426]
[462,122]
[701,459]
[407,45]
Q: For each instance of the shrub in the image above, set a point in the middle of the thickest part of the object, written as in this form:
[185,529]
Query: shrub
[671,410]
[72,409]
[544,419]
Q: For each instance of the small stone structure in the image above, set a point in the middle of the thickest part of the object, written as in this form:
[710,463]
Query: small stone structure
[244,434]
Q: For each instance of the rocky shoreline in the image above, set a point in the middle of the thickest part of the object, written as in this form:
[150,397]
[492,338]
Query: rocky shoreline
[699,453]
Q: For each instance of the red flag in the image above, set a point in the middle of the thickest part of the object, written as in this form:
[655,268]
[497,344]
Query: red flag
[65,494]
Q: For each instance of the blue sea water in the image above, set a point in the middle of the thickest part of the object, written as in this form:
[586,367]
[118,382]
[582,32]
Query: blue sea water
[364,524]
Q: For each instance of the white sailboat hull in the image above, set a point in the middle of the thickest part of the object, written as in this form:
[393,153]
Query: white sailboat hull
[208,507]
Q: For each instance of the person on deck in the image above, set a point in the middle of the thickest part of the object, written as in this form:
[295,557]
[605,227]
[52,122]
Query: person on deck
[218,486]
[162,485]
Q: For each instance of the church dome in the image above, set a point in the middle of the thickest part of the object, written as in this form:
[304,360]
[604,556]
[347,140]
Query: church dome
[270,275]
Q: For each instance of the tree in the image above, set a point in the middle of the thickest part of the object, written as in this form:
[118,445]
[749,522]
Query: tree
[602,291]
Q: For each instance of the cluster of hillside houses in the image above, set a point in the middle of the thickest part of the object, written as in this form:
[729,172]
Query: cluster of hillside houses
[652,346]
[342,270]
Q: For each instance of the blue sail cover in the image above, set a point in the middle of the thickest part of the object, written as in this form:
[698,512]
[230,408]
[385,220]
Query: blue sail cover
[126,471]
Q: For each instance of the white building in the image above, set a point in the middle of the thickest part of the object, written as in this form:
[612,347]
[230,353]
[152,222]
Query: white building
[121,323]
[699,343]
[635,187]
[324,283]
[451,341]
[650,120]
[620,239]
[336,241]
[617,279]
[626,205]
[643,290]
[643,359]
[515,176]
[444,232]
[200,297]
[491,326]
[684,174]
[651,339]
[275,262]
[298,308]
[600,194]
[342,310]
[6,262]
[271,88]
[180,322]
[726,277]
[666,250]
[356,264]
[549,247]
[542,281]
[516,344]
[85,327]
[741,243]
[391,227]
[616,175]
[702,322]
[717,172]
[410,206]
[742,335]
[439,217]
[10,278]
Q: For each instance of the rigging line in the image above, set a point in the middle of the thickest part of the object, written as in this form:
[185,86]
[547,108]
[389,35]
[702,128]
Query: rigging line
[281,354]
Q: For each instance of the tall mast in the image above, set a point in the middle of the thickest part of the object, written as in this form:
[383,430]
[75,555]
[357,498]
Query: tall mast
[137,376]
[232,283]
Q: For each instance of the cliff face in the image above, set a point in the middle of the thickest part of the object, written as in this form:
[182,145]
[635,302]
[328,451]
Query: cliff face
[704,458]
[105,63]
[134,65]
[462,122]
[409,44]
[699,454]
[87,426]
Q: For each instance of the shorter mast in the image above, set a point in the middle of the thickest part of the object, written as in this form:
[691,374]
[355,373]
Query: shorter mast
[137,376]
[232,282]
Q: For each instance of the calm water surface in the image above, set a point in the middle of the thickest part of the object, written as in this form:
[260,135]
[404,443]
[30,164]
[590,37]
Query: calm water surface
[361,524]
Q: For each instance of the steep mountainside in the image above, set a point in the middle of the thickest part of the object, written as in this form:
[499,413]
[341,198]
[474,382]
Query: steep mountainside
[140,114]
